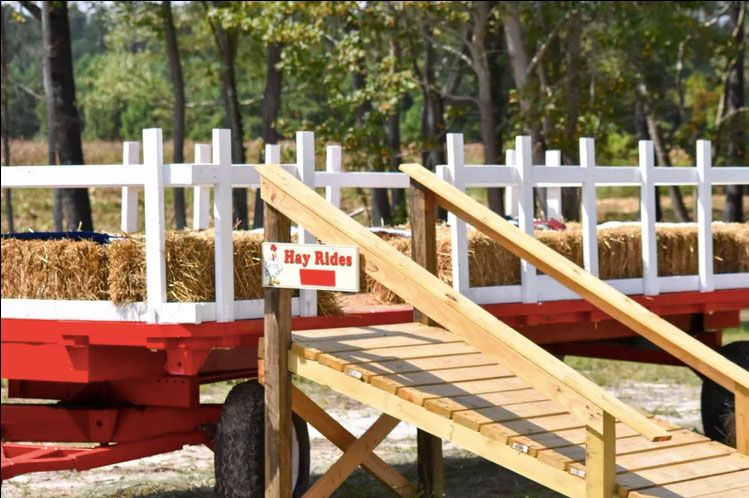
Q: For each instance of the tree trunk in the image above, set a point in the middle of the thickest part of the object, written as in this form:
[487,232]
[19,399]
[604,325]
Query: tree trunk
[480,62]
[178,93]
[226,43]
[393,139]
[381,215]
[5,120]
[571,195]
[734,98]
[65,126]
[270,108]
[433,127]
[641,128]
[680,209]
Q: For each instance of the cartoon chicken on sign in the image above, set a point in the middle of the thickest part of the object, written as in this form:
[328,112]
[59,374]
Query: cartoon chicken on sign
[273,267]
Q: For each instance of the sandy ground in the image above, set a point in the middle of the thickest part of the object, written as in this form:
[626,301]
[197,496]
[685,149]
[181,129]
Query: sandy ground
[189,472]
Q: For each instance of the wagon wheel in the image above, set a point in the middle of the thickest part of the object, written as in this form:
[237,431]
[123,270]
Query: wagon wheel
[239,456]
[718,408]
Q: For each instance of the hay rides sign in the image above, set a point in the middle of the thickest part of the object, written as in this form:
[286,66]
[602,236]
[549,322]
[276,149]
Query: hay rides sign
[311,266]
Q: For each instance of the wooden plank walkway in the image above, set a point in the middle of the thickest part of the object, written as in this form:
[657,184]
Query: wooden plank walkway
[434,380]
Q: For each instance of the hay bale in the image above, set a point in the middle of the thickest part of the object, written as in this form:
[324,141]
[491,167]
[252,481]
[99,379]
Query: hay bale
[53,269]
[190,269]
[620,253]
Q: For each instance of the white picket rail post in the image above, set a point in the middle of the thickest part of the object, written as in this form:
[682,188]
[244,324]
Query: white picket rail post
[201,207]
[650,286]
[222,220]
[705,216]
[524,167]
[553,159]
[153,163]
[333,165]
[511,192]
[305,163]
[129,207]
[589,212]
[458,229]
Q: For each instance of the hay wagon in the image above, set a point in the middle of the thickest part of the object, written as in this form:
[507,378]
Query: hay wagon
[126,375]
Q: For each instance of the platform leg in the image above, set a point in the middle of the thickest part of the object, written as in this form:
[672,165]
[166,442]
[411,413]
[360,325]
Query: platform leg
[424,252]
[742,419]
[600,460]
[277,376]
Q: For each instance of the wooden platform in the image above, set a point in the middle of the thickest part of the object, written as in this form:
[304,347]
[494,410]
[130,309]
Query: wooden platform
[431,378]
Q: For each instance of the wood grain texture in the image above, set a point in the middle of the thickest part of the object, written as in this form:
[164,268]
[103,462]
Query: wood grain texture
[277,378]
[452,310]
[614,303]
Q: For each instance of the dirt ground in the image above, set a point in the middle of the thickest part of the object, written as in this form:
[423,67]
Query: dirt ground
[189,472]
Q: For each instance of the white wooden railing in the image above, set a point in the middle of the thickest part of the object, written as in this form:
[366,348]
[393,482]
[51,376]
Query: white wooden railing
[212,169]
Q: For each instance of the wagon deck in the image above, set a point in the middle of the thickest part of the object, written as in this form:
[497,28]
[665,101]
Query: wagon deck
[431,378]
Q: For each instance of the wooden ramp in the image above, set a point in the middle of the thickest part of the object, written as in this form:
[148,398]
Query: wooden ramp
[476,381]
[432,379]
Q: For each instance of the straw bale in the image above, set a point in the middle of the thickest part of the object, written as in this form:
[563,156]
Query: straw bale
[190,269]
[53,269]
[620,253]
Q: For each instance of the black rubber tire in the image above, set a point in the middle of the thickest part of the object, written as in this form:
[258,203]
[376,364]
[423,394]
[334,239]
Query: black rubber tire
[718,408]
[239,464]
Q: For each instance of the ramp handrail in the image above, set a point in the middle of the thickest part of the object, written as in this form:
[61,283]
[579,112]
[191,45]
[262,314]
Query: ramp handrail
[589,402]
[616,304]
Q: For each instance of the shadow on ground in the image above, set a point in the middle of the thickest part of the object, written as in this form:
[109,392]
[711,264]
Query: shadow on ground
[472,476]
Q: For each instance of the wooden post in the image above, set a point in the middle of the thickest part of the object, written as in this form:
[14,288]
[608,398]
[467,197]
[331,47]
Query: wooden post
[201,209]
[526,209]
[153,160]
[600,460]
[647,219]
[741,404]
[458,230]
[277,377]
[705,215]
[424,252]
[129,208]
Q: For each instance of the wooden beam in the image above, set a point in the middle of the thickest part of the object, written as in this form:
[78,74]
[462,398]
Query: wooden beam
[614,303]
[277,378]
[424,252]
[742,419]
[352,457]
[449,308]
[343,439]
[600,456]
[468,439]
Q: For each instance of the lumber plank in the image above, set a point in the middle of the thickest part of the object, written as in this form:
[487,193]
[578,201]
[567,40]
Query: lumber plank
[723,485]
[277,378]
[419,394]
[502,431]
[535,443]
[405,329]
[366,371]
[352,457]
[564,456]
[447,407]
[452,310]
[600,458]
[741,404]
[311,349]
[614,303]
[741,492]
[450,375]
[662,457]
[343,439]
[339,361]
[474,419]
[494,451]
[660,476]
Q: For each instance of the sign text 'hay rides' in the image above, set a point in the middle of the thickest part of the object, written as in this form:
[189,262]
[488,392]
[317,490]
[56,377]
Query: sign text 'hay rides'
[311,266]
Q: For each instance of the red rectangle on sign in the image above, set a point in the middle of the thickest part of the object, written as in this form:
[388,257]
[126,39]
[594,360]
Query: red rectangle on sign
[317,277]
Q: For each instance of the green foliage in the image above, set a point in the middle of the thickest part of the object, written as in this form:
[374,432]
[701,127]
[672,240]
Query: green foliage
[677,50]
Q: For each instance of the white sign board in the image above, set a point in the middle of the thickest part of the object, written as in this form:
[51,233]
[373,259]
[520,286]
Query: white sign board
[311,266]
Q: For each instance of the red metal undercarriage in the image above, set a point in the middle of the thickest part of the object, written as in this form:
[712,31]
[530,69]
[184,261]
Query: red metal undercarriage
[133,388]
